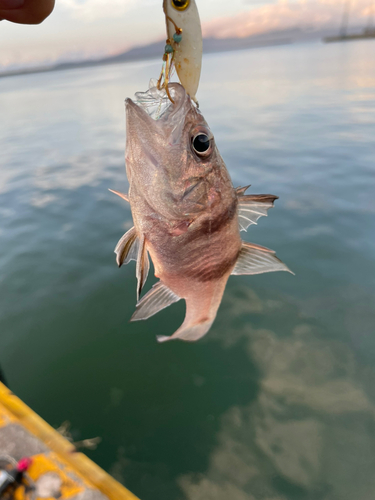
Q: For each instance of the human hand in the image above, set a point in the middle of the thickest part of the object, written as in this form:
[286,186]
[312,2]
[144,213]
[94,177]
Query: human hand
[26,11]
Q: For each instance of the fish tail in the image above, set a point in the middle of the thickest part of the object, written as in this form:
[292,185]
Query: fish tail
[189,332]
[201,310]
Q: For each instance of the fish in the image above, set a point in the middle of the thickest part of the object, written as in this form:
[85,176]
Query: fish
[187,216]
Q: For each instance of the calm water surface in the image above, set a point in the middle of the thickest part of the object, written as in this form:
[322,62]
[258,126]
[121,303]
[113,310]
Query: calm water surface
[277,402]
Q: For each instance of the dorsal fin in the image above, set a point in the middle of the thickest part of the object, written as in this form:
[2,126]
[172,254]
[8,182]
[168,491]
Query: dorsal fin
[252,206]
[127,247]
[143,265]
[241,190]
[121,195]
[156,299]
[254,259]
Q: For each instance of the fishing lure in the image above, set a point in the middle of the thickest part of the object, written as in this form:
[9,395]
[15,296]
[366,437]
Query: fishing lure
[183,49]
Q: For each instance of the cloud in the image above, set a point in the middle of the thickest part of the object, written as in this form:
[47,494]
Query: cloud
[286,14]
[91,28]
[309,428]
[300,428]
[92,10]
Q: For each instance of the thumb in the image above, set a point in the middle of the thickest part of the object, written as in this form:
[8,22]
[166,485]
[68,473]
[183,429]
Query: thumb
[26,11]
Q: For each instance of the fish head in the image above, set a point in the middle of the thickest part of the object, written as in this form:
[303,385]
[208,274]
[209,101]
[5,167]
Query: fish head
[173,162]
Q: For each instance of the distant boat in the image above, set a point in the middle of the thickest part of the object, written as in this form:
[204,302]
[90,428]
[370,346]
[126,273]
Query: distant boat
[343,36]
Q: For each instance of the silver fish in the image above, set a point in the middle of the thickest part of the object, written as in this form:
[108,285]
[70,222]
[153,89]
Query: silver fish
[187,216]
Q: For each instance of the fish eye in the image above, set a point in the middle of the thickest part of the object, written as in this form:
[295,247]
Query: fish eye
[180,4]
[201,144]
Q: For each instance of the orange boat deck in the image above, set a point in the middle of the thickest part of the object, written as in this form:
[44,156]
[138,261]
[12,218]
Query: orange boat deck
[55,460]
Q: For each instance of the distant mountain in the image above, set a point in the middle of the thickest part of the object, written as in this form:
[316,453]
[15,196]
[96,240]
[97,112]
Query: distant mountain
[156,49]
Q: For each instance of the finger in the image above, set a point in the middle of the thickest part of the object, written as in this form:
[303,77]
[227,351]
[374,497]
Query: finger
[26,11]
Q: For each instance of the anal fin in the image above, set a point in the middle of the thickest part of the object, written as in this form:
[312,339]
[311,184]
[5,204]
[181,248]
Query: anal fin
[254,259]
[156,299]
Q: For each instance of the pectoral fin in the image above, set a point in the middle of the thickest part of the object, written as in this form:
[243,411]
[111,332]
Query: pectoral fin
[156,299]
[132,247]
[127,247]
[253,206]
[143,265]
[254,259]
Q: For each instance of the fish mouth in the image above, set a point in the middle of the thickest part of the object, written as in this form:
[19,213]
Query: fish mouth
[146,107]
[137,119]
[169,127]
[131,107]
[181,100]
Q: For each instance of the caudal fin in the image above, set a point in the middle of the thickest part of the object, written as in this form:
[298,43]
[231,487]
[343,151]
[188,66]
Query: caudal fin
[189,333]
[201,308]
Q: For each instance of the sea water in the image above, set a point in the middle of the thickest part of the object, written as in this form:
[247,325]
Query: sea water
[277,402]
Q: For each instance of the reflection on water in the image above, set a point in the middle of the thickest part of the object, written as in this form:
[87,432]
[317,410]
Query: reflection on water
[277,401]
[310,431]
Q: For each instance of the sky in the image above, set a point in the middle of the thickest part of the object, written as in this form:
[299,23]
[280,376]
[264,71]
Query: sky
[79,29]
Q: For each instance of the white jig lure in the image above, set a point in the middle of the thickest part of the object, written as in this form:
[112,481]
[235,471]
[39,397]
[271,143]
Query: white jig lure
[184,42]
